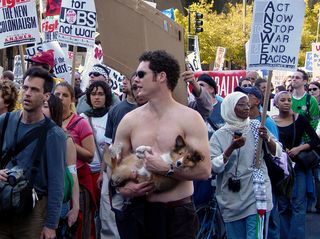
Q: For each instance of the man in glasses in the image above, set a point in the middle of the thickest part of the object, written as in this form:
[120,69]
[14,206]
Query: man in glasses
[168,214]
[302,102]
[98,72]
[245,82]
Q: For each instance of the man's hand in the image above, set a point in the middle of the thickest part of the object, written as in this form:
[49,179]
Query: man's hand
[132,189]
[48,233]
[188,77]
[72,216]
[153,163]
[3,175]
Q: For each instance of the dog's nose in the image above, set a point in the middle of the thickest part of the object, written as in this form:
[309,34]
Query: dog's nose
[178,164]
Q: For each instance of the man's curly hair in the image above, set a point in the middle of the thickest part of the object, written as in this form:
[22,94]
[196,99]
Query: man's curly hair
[161,61]
[9,93]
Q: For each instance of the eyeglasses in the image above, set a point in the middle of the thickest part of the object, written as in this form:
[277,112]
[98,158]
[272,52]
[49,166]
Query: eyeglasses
[290,90]
[97,94]
[246,85]
[313,89]
[141,74]
[95,74]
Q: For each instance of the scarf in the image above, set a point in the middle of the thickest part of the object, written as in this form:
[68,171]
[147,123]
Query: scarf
[233,122]
[259,185]
[96,113]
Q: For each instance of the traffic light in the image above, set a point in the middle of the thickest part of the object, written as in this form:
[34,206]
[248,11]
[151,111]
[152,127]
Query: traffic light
[198,22]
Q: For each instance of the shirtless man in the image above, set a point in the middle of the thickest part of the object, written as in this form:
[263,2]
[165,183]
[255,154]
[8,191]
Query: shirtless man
[168,214]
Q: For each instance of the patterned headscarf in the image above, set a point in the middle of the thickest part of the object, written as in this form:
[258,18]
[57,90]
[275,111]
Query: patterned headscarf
[233,122]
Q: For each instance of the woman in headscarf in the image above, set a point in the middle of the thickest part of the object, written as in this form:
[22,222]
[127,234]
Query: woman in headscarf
[233,155]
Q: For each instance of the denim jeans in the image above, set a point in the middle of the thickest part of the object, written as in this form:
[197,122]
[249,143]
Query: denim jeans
[293,211]
[245,228]
[274,220]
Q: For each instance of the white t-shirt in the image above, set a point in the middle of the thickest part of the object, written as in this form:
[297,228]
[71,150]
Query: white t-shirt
[98,128]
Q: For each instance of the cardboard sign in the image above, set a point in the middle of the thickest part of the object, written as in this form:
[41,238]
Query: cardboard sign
[77,23]
[18,23]
[219,61]
[308,62]
[134,28]
[193,62]
[316,59]
[276,34]
[226,80]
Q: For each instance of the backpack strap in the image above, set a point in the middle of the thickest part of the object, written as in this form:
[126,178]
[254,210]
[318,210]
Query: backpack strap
[70,127]
[308,105]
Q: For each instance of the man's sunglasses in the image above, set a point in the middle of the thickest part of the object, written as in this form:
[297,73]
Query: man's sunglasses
[141,74]
[95,74]
[313,89]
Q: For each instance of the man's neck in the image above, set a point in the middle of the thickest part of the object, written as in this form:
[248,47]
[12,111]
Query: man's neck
[131,99]
[298,93]
[32,117]
[254,113]
[160,103]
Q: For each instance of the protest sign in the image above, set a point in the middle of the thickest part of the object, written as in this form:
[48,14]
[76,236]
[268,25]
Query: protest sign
[316,59]
[18,23]
[53,7]
[226,80]
[33,50]
[308,62]
[193,62]
[49,28]
[77,23]
[219,61]
[60,62]
[140,28]
[276,34]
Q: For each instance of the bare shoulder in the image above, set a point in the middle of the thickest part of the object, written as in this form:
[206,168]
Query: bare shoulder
[185,112]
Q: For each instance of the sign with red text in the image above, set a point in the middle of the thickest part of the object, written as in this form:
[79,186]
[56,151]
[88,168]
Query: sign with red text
[18,23]
[49,28]
[226,80]
[77,23]
[275,34]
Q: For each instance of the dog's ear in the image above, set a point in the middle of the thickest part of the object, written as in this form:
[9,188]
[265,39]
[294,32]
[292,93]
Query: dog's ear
[180,143]
[197,157]
[112,155]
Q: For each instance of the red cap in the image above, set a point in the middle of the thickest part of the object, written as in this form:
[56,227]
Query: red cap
[45,57]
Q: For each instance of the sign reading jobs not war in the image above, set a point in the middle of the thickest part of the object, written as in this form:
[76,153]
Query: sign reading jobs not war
[77,23]
[276,34]
[18,23]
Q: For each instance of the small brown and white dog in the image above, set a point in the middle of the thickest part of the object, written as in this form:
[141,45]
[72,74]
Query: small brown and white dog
[181,156]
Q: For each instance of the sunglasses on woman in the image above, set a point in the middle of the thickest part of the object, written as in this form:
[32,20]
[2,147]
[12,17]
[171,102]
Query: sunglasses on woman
[313,89]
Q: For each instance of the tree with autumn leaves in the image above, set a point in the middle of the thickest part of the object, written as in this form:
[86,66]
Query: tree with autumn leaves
[226,30]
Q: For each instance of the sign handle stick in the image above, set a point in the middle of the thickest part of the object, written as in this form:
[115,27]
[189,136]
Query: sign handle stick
[22,59]
[263,117]
[75,48]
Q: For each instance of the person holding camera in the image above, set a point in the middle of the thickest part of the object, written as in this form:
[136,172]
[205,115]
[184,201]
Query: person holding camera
[233,156]
[33,156]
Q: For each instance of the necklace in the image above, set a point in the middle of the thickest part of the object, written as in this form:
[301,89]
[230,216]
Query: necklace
[68,116]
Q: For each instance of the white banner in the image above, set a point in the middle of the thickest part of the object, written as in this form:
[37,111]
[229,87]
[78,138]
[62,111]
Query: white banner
[18,23]
[49,28]
[276,34]
[60,62]
[219,61]
[77,23]
[316,59]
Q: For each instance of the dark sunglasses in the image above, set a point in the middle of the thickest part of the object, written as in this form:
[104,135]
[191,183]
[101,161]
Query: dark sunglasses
[246,85]
[141,74]
[290,90]
[312,89]
[95,74]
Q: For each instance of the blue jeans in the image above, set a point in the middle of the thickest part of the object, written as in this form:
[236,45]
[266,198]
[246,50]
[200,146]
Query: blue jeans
[293,211]
[245,228]
[274,220]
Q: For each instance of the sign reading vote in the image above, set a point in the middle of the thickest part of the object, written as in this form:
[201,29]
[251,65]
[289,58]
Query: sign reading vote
[276,34]
[77,23]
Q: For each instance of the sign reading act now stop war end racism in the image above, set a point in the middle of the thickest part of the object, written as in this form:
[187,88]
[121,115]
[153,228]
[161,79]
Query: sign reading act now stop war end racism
[18,23]
[77,23]
[276,34]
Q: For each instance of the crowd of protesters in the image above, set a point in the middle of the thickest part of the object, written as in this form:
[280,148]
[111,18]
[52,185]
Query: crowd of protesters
[75,197]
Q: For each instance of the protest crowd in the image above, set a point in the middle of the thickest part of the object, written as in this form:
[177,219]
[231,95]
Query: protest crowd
[91,153]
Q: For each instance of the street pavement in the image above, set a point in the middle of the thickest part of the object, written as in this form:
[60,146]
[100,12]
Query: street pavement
[313,226]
